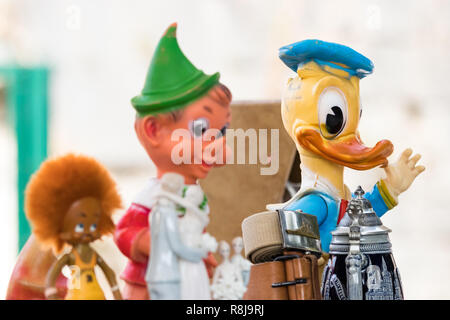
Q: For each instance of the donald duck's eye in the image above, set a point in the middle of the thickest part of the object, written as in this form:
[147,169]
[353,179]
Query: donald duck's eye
[332,112]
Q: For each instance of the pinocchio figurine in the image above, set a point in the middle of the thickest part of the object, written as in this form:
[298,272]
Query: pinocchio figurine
[69,203]
[176,98]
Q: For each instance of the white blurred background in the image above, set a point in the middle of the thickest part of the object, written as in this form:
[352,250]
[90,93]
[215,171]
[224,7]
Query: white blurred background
[98,53]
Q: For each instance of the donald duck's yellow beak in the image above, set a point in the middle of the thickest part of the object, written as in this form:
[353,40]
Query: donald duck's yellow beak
[348,150]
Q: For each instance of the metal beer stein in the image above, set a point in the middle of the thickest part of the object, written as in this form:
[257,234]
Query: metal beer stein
[361,266]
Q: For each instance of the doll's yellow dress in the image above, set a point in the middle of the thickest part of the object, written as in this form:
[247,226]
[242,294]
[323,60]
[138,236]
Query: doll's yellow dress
[83,284]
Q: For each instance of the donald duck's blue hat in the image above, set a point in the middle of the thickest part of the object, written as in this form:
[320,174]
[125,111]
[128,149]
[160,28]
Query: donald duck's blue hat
[326,54]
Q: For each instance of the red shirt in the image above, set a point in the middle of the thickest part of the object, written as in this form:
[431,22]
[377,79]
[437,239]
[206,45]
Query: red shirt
[132,223]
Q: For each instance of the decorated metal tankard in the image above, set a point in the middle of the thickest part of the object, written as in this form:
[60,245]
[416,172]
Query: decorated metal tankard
[361,266]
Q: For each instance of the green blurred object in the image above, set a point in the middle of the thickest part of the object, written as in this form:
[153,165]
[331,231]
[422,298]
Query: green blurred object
[27,107]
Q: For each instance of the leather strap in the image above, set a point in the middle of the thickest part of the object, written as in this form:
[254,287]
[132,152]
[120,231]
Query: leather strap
[262,236]
[293,277]
[315,279]
[262,276]
[303,268]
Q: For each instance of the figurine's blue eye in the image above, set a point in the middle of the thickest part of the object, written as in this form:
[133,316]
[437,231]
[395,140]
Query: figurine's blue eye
[93,227]
[79,227]
[198,127]
[332,112]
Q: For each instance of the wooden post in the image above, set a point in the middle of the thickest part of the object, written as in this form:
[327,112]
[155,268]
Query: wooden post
[236,191]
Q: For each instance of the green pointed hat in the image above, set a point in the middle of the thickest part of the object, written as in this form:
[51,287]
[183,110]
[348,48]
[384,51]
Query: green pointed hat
[172,80]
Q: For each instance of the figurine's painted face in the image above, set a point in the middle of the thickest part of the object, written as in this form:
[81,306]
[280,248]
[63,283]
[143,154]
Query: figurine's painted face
[81,221]
[238,245]
[155,135]
[321,111]
[224,249]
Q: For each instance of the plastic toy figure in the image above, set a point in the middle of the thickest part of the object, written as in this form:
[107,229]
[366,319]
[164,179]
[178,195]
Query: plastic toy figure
[238,260]
[69,203]
[176,96]
[321,110]
[184,274]
[227,282]
[164,273]
[194,276]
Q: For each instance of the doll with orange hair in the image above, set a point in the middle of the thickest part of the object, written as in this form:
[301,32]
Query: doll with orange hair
[69,203]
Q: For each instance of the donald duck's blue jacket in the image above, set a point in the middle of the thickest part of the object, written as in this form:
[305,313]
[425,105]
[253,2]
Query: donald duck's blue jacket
[327,208]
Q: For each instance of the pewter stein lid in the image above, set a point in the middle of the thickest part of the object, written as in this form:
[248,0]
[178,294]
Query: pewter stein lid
[374,236]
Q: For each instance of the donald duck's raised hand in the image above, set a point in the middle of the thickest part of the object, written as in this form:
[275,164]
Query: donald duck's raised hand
[401,174]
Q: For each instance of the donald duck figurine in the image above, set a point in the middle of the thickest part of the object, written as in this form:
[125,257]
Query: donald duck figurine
[321,111]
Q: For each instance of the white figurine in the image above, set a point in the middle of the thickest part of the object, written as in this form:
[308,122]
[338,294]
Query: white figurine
[227,282]
[194,276]
[168,249]
[239,261]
